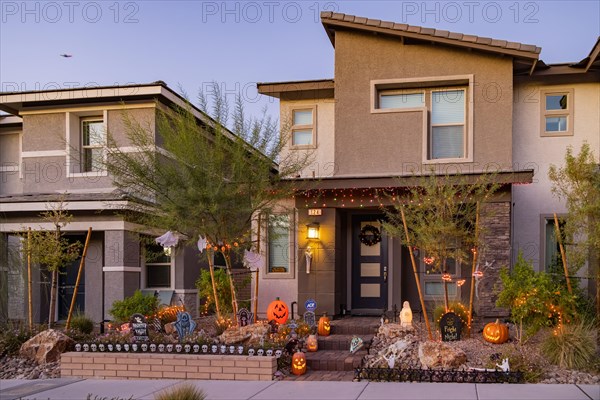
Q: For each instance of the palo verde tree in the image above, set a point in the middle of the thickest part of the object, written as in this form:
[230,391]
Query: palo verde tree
[200,179]
[439,214]
[577,182]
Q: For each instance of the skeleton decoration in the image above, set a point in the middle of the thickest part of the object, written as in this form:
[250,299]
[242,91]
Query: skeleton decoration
[78,347]
[223,349]
[118,347]
[184,325]
[251,352]
[214,349]
[391,360]
[152,347]
[110,347]
[126,347]
[161,348]
[178,348]
[101,347]
[169,348]
[94,347]
[270,352]
[308,254]
[134,347]
[196,348]
[478,275]
[240,350]
[260,352]
[231,349]
[187,348]
[278,353]
[504,367]
[144,347]
[205,348]
[86,347]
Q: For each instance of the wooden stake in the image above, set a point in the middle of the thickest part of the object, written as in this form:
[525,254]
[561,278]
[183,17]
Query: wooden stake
[29,285]
[81,266]
[211,268]
[414,265]
[475,253]
[234,302]
[256,298]
[562,253]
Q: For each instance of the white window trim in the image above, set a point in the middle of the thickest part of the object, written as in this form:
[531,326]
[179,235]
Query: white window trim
[293,245]
[569,113]
[69,149]
[144,271]
[430,83]
[432,125]
[293,128]
[11,166]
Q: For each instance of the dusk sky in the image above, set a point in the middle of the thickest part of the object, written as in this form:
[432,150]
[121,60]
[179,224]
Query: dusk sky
[238,43]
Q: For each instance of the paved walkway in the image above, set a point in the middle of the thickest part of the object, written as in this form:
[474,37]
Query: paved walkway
[78,389]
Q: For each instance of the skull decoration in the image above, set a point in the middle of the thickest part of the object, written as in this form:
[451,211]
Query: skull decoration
[86,347]
[231,349]
[152,347]
[169,348]
[144,347]
[126,347]
[240,349]
[178,348]
[94,347]
[278,353]
[270,352]
[101,347]
[161,348]
[118,346]
[134,347]
[250,352]
[214,348]
[110,347]
[260,352]
[196,348]
[223,349]
[78,347]
[205,348]
[187,348]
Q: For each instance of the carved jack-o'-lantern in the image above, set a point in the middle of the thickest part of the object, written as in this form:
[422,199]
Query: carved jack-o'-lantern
[278,311]
[312,343]
[298,363]
[495,332]
[324,327]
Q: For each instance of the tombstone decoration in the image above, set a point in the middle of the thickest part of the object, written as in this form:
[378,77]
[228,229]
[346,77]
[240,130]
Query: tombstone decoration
[310,319]
[245,317]
[293,325]
[139,327]
[450,327]
[355,344]
[184,325]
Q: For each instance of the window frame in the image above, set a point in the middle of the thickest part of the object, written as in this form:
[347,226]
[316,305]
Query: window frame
[546,219]
[568,113]
[428,85]
[313,127]
[73,140]
[432,125]
[144,270]
[436,277]
[292,245]
[83,147]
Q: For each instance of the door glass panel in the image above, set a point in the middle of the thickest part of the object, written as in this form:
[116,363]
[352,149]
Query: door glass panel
[370,289]
[370,269]
[374,250]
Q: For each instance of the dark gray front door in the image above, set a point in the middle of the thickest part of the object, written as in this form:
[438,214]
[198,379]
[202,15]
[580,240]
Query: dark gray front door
[369,266]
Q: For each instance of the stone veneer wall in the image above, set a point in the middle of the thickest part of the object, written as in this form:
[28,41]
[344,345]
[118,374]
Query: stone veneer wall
[495,226]
[171,366]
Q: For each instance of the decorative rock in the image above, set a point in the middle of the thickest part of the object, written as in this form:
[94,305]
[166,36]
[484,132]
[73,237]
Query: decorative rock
[248,335]
[436,354]
[46,346]
[170,328]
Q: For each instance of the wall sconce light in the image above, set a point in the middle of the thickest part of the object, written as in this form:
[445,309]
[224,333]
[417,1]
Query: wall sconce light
[312,231]
[168,251]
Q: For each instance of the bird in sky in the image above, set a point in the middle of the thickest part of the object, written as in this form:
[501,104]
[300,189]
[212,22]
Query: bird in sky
[66,55]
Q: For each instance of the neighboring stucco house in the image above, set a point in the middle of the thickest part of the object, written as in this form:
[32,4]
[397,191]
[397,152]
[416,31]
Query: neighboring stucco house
[51,143]
[556,106]
[404,99]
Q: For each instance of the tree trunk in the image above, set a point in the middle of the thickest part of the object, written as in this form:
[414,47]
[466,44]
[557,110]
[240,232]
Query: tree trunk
[234,304]
[445,271]
[211,268]
[29,285]
[53,290]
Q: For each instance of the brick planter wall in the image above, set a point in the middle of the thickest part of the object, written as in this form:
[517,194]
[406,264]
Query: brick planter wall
[167,366]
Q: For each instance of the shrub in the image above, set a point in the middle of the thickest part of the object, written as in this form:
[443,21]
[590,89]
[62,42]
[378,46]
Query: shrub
[532,372]
[455,307]
[13,335]
[571,346]
[82,323]
[186,391]
[122,310]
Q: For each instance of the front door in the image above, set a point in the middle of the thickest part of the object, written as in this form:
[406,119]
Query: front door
[369,265]
[66,286]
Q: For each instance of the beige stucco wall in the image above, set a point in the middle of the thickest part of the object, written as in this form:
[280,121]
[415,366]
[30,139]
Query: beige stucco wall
[369,143]
[534,202]
[322,156]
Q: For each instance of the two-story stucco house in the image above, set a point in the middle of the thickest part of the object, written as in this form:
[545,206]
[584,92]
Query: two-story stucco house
[52,143]
[406,99]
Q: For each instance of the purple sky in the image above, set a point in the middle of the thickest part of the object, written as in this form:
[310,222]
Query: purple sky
[237,43]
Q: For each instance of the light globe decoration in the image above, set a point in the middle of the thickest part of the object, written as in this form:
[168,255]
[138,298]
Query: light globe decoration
[406,315]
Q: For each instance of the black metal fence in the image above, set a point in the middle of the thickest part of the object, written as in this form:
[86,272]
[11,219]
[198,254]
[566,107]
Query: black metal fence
[432,375]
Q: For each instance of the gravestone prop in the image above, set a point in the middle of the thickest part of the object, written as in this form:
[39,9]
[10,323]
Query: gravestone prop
[184,325]
[139,327]
[450,327]
[310,319]
[355,344]
[245,317]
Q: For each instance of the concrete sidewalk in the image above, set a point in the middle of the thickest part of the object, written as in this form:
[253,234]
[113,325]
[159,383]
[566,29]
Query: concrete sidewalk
[79,389]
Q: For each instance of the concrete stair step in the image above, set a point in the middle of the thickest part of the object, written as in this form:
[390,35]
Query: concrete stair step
[346,327]
[334,360]
[340,342]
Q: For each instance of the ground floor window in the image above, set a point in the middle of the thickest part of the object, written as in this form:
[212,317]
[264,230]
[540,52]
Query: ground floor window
[552,258]
[158,266]
[279,243]
[433,282]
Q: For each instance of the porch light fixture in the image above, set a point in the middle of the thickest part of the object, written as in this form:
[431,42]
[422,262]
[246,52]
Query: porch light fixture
[312,231]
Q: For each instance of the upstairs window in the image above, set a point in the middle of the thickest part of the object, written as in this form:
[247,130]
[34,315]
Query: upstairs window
[447,135]
[303,127]
[557,113]
[392,99]
[93,140]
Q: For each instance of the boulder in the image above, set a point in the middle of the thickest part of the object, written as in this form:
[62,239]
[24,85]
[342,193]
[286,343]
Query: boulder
[170,328]
[438,354]
[391,331]
[250,334]
[46,346]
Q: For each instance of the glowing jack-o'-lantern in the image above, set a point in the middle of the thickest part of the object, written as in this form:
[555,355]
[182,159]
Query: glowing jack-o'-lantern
[495,332]
[278,311]
[298,363]
[312,344]
[324,327]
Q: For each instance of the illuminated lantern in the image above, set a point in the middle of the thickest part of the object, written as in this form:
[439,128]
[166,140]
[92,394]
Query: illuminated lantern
[324,327]
[495,332]
[298,363]
[312,343]
[277,311]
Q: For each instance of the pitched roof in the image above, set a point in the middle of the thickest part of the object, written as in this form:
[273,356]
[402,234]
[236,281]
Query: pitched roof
[333,21]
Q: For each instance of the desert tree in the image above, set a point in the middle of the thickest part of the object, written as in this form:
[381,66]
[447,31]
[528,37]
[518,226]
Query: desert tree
[192,175]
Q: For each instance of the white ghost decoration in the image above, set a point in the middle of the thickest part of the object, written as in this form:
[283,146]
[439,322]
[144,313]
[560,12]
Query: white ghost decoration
[169,239]
[201,244]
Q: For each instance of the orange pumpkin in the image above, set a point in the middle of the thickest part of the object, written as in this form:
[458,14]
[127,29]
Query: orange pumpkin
[495,332]
[278,311]
[312,344]
[298,363]
[324,327]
